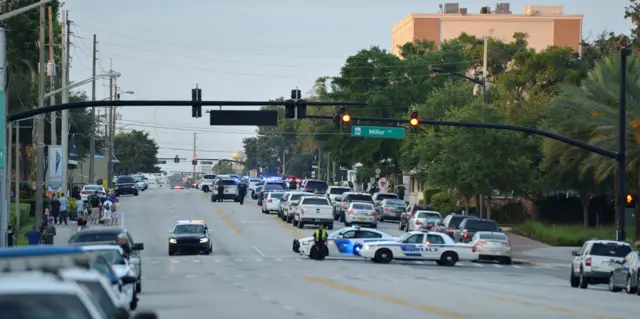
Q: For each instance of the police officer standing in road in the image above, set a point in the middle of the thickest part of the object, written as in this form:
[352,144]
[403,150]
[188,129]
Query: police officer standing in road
[320,241]
[220,191]
[242,192]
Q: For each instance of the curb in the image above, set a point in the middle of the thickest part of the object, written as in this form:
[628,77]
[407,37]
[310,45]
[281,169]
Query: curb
[523,262]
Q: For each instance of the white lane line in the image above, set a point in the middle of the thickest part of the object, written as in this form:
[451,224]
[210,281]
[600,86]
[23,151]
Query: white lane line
[196,260]
[217,261]
[419,262]
[264,298]
[287,308]
[175,261]
[461,264]
[190,276]
[238,260]
[499,266]
[477,264]
[239,276]
[259,259]
[246,290]
[515,266]
[259,251]
[278,259]
[155,262]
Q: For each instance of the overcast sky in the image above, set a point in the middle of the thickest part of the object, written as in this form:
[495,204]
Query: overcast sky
[244,50]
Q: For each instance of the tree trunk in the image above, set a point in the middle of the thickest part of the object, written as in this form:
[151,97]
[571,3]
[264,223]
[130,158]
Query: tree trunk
[488,205]
[467,204]
[585,200]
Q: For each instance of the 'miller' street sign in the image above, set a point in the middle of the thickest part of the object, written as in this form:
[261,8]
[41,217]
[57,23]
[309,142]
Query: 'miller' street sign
[378,132]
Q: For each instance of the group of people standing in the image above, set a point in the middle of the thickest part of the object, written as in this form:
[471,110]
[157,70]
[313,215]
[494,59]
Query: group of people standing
[98,209]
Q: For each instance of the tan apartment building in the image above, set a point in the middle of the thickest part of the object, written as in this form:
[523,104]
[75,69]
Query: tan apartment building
[545,26]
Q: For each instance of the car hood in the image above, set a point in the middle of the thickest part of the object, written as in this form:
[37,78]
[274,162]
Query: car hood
[187,236]
[382,242]
[305,239]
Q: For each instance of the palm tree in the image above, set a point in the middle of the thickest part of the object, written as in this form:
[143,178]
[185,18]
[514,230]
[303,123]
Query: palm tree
[590,113]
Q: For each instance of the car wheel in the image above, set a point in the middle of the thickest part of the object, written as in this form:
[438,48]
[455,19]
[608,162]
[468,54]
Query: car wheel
[630,289]
[506,261]
[574,280]
[400,226]
[208,251]
[374,226]
[347,224]
[205,189]
[294,222]
[583,281]
[383,256]
[449,259]
[135,194]
[300,225]
[381,219]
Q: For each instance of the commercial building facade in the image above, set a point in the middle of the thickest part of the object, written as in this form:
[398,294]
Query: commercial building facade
[544,25]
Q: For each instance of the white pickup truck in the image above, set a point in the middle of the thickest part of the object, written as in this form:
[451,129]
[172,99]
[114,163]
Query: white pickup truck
[419,245]
[314,210]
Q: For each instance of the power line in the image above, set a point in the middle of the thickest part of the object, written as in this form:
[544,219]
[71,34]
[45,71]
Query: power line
[190,130]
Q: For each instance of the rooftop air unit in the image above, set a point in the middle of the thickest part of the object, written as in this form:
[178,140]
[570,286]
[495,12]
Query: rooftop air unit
[485,10]
[450,8]
[503,8]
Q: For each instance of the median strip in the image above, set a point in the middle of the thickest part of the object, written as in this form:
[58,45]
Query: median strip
[399,302]
[228,221]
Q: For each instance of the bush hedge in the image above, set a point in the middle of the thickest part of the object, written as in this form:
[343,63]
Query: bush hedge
[567,235]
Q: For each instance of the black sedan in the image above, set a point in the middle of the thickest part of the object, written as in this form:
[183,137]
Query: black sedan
[190,236]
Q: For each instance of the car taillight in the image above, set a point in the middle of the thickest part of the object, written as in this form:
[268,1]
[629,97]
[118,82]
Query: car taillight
[473,249]
[269,201]
[351,212]
[588,262]
[344,206]
[86,192]
[466,236]
[506,244]
[481,242]
[412,213]
[417,222]
[428,226]
[373,213]
[386,208]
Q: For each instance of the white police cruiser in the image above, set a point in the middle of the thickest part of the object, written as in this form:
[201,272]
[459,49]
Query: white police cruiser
[345,242]
[420,246]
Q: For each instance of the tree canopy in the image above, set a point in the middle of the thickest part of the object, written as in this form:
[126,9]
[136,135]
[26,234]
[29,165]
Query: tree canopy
[137,153]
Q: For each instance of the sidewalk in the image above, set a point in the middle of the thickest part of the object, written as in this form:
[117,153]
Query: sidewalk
[529,251]
[63,233]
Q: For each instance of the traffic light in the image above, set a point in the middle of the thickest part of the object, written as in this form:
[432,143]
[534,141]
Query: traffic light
[289,109]
[196,102]
[295,108]
[630,201]
[176,159]
[413,119]
[194,162]
[342,118]
[220,160]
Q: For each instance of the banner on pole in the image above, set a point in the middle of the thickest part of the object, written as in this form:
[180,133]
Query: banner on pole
[55,173]
[73,151]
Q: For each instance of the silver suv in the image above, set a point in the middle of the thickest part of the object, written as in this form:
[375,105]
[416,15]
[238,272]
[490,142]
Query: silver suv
[595,261]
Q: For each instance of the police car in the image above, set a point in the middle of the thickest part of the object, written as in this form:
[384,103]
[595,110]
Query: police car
[345,242]
[418,245]
[190,236]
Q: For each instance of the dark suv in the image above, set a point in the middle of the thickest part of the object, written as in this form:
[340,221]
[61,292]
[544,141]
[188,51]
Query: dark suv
[315,186]
[126,185]
[469,226]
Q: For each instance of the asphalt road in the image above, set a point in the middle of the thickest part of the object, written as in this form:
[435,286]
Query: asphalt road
[253,273]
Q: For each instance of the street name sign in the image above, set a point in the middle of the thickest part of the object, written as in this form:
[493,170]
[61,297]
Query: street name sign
[378,132]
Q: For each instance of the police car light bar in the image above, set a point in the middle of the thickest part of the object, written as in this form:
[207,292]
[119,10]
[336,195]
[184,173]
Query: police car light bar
[191,221]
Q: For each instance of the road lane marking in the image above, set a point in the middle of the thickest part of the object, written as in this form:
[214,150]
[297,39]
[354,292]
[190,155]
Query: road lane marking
[155,262]
[515,266]
[296,232]
[190,276]
[477,264]
[229,222]
[278,259]
[217,261]
[259,260]
[259,251]
[238,260]
[175,261]
[356,291]
[419,262]
[553,308]
[499,266]
[196,260]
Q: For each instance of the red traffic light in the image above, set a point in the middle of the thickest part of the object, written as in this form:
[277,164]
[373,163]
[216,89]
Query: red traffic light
[413,118]
[346,118]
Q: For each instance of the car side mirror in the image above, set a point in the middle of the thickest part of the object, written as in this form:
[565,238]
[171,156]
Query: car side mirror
[170,231]
[499,229]
[126,280]
[145,315]
[121,313]
[574,253]
[138,246]
[340,236]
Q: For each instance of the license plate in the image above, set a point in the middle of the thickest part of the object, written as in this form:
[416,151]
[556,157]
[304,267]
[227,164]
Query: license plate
[317,220]
[362,219]
[318,211]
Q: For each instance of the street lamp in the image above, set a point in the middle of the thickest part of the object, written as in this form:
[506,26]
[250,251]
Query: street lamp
[83,82]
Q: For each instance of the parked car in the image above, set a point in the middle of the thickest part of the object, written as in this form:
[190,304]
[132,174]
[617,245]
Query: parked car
[390,208]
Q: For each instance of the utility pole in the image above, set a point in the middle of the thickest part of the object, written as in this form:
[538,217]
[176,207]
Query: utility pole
[18,179]
[4,209]
[40,123]
[64,131]
[52,80]
[194,156]
[92,139]
[109,132]
[485,58]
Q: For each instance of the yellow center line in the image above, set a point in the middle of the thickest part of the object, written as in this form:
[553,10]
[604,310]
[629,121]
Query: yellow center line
[229,222]
[296,232]
[552,308]
[356,291]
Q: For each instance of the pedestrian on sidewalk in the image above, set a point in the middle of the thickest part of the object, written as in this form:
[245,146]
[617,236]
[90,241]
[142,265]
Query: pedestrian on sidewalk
[55,208]
[33,236]
[94,202]
[79,208]
[106,212]
[63,209]
[11,237]
[115,212]
[49,233]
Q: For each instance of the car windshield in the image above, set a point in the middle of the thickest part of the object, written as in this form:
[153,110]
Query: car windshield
[89,237]
[492,236]
[315,201]
[274,186]
[359,198]
[100,295]
[386,196]
[316,185]
[228,182]
[610,250]
[93,188]
[276,195]
[428,216]
[404,237]
[188,229]
[112,256]
[481,225]
[209,176]
[296,197]
[456,220]
[254,180]
[43,306]
[395,203]
[362,206]
[125,180]
[138,179]
[338,191]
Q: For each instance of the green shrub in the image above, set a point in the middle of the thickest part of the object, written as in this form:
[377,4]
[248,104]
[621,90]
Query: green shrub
[443,202]
[566,235]
[428,194]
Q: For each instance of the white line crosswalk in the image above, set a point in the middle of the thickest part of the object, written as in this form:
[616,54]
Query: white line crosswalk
[245,260]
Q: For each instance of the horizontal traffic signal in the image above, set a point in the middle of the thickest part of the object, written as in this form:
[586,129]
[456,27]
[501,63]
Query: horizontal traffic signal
[413,119]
